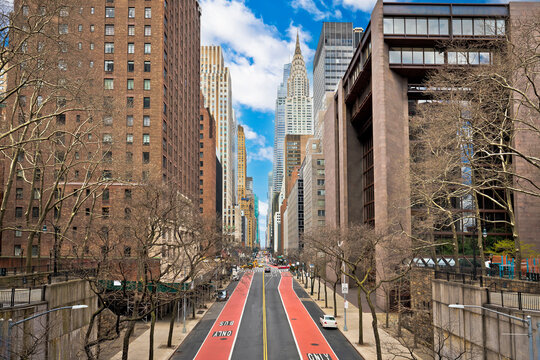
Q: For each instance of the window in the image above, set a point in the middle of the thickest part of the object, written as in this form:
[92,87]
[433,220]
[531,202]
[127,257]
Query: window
[62,28]
[106,195]
[130,84]
[131,30]
[92,10]
[146,120]
[107,138]
[109,29]
[320,192]
[80,27]
[320,182]
[109,66]
[92,28]
[19,193]
[146,103]
[127,194]
[131,12]
[147,13]
[91,64]
[108,84]
[145,157]
[147,48]
[105,212]
[320,212]
[130,66]
[36,194]
[109,48]
[129,120]
[320,161]
[18,232]
[25,10]
[131,48]
[106,174]
[109,12]
[146,139]
[147,30]
[147,66]
[17,250]
[35,212]
[129,157]
[129,102]
[129,138]
[146,84]
[18,212]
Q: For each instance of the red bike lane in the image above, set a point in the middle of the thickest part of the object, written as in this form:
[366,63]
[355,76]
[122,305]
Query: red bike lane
[309,340]
[220,340]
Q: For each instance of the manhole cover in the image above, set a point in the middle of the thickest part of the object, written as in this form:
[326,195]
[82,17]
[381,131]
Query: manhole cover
[293,318]
[314,344]
[223,339]
[200,312]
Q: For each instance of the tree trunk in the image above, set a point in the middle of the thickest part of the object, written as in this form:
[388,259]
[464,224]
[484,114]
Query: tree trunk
[193,305]
[152,328]
[360,319]
[387,308]
[127,335]
[325,295]
[319,290]
[374,325]
[335,300]
[171,324]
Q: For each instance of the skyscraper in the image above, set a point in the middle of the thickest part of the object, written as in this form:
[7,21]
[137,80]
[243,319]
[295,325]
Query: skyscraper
[241,162]
[334,52]
[279,130]
[298,104]
[216,88]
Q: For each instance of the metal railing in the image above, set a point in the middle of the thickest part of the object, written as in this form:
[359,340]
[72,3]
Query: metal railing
[15,296]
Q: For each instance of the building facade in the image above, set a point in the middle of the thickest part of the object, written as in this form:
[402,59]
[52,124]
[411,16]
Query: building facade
[332,57]
[207,163]
[313,177]
[279,130]
[147,125]
[299,103]
[215,82]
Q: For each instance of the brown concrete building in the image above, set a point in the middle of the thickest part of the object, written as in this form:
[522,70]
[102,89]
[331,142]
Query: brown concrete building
[366,134]
[295,151]
[140,61]
[207,163]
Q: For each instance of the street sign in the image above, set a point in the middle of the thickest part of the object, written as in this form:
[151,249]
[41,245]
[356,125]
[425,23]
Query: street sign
[346,304]
[344,288]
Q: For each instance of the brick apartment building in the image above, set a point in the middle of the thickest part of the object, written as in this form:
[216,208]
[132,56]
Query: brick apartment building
[140,62]
[207,163]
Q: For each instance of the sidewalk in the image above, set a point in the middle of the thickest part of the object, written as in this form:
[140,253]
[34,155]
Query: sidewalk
[138,348]
[391,347]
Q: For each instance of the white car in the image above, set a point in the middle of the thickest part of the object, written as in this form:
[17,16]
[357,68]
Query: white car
[328,321]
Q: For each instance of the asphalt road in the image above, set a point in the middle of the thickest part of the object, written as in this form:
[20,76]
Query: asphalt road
[249,343]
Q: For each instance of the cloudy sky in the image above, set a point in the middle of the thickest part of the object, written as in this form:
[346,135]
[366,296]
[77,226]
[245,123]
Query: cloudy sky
[258,38]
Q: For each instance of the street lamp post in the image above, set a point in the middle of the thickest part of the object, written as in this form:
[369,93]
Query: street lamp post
[12,324]
[527,321]
[55,248]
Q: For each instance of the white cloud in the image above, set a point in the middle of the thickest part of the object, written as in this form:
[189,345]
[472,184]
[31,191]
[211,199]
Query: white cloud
[310,7]
[255,52]
[263,153]
[253,136]
[362,5]
[263,208]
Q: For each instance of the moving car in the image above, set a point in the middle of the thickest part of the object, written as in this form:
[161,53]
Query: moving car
[222,295]
[267,270]
[328,321]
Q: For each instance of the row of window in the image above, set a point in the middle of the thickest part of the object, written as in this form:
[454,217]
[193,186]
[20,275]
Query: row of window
[110,12]
[109,48]
[427,56]
[108,84]
[109,30]
[441,26]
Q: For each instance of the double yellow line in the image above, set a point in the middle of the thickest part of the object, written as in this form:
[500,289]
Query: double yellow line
[265,337]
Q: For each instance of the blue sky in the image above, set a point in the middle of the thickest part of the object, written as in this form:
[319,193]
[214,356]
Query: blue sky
[258,37]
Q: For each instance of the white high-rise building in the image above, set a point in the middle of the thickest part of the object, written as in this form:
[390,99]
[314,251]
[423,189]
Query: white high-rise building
[216,88]
[298,104]
[279,130]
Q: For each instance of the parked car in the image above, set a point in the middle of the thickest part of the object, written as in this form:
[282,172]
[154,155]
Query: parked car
[267,270]
[328,321]
[222,295]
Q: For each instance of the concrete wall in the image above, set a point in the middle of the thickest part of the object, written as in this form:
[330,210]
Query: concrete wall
[61,333]
[476,333]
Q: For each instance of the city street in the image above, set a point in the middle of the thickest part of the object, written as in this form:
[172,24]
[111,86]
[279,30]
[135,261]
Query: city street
[285,327]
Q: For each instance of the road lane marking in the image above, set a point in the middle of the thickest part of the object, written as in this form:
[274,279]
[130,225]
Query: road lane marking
[265,337]
[310,342]
[288,320]
[219,342]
